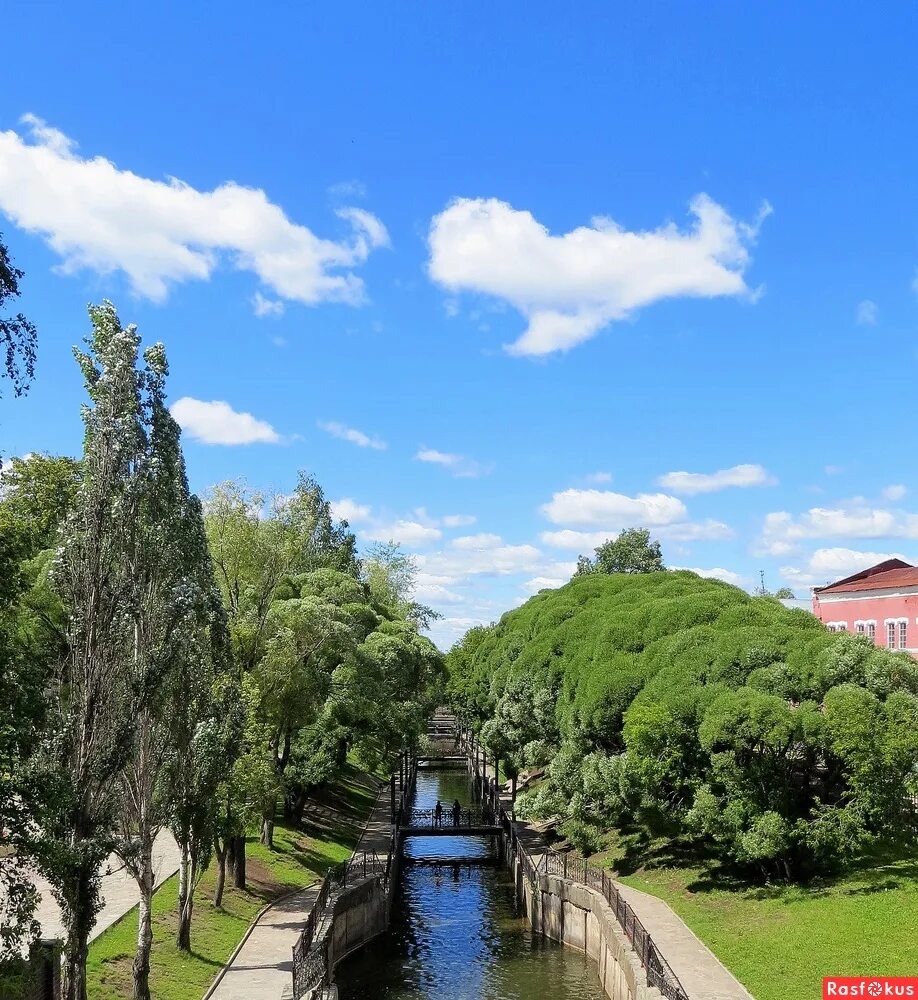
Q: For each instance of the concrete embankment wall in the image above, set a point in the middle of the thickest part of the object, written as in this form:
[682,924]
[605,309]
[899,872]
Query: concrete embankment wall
[355,916]
[580,918]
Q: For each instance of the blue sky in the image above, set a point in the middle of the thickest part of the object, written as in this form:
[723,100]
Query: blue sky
[538,263]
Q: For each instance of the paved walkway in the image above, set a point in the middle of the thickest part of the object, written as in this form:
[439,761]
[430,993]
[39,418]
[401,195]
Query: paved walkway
[699,970]
[262,969]
[119,890]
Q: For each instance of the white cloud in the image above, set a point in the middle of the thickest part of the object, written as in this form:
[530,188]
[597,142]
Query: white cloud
[569,287]
[691,483]
[351,434]
[349,510]
[97,216]
[614,510]
[263,307]
[482,555]
[894,492]
[436,593]
[688,531]
[867,313]
[599,477]
[216,422]
[538,583]
[459,465]
[404,532]
[828,565]
[834,470]
[782,532]
[459,520]
[479,541]
[717,573]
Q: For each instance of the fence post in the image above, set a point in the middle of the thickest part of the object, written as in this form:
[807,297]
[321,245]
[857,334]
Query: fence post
[565,865]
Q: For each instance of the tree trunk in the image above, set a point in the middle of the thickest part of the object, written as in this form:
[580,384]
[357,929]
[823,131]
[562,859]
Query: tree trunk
[144,924]
[78,928]
[182,896]
[239,863]
[183,934]
[221,852]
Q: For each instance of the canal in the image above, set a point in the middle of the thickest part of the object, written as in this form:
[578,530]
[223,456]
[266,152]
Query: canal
[455,934]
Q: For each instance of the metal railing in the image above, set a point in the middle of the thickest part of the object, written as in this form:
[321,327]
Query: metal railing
[449,818]
[309,958]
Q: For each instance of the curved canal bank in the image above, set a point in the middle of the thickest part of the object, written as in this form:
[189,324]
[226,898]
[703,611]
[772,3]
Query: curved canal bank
[455,930]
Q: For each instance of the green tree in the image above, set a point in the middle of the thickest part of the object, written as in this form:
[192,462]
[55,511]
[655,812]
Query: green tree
[90,740]
[38,492]
[17,334]
[633,551]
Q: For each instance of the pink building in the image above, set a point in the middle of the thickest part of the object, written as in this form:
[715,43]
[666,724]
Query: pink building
[880,602]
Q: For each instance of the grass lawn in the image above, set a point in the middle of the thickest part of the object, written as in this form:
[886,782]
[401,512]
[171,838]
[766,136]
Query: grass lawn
[780,940]
[300,857]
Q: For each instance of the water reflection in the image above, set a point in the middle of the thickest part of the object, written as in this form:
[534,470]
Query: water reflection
[454,932]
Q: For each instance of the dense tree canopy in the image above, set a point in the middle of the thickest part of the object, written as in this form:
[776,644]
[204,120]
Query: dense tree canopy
[687,705]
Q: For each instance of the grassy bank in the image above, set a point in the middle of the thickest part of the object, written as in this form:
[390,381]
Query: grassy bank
[780,940]
[300,857]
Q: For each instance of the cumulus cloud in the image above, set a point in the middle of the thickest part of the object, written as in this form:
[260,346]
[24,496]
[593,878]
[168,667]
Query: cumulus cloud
[691,483]
[351,434]
[613,510]
[216,422]
[688,531]
[97,216]
[894,492]
[717,573]
[782,532]
[568,287]
[350,510]
[867,313]
[827,565]
[485,554]
[459,465]
[404,532]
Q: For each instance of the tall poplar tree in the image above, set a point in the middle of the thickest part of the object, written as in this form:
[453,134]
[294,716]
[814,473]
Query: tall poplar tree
[91,739]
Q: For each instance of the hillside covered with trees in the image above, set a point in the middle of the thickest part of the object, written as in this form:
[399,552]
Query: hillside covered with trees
[698,712]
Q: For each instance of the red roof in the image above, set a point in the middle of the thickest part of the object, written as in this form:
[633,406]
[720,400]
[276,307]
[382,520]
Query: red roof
[890,573]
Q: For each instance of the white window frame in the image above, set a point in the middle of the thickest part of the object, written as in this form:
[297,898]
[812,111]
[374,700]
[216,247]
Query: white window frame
[896,633]
[837,626]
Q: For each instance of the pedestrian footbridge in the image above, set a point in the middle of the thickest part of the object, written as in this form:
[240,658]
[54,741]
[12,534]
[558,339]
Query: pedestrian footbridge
[463,823]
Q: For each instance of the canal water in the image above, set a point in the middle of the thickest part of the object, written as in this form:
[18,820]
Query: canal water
[455,934]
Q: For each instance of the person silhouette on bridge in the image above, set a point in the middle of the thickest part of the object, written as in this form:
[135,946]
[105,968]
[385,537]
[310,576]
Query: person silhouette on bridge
[457,812]
[438,813]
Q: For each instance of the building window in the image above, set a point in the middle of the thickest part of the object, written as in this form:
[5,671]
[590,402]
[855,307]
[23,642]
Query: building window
[903,635]
[872,631]
[891,635]
[859,628]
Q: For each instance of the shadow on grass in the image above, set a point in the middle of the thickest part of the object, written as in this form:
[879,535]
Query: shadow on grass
[634,850]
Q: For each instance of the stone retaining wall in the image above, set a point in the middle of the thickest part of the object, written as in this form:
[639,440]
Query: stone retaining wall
[580,918]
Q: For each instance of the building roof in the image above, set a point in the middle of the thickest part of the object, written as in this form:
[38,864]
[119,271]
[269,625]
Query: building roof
[889,573]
